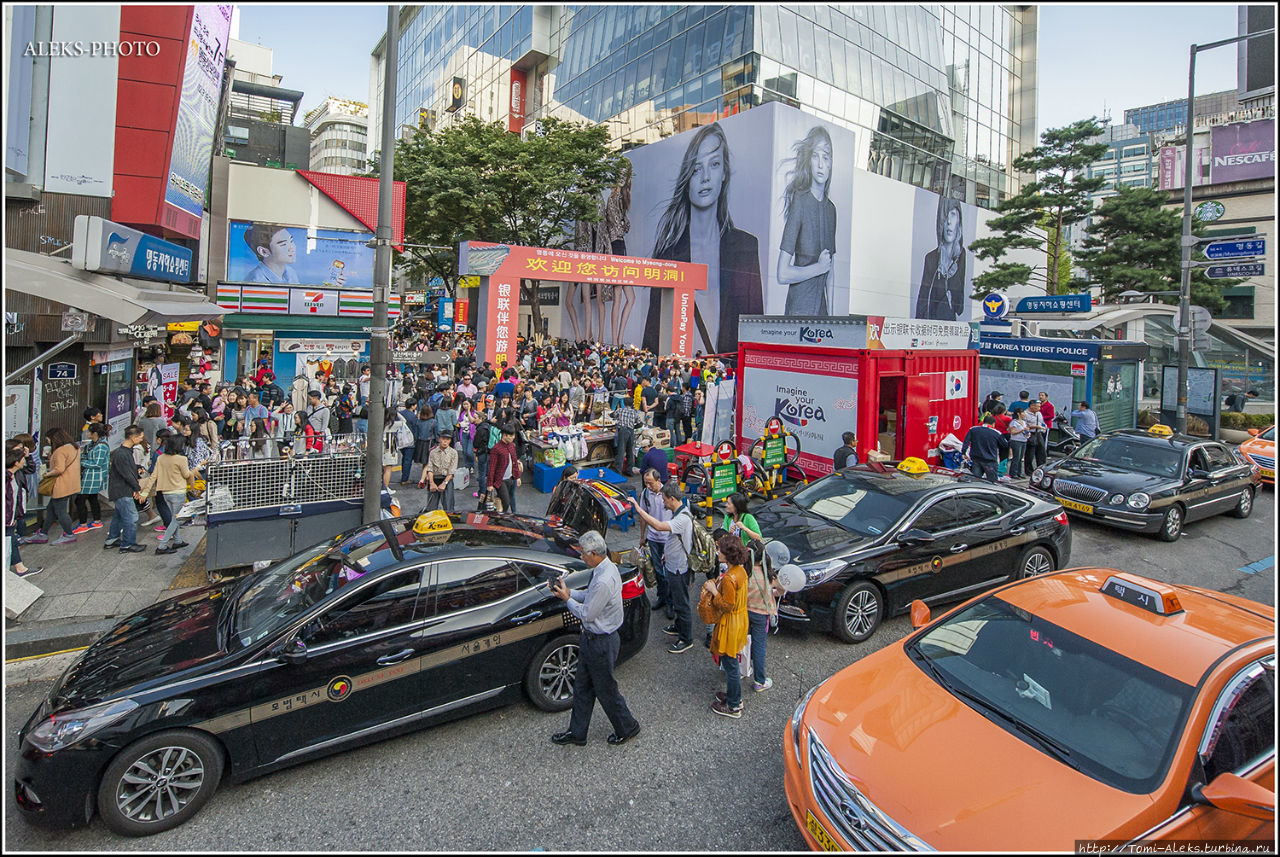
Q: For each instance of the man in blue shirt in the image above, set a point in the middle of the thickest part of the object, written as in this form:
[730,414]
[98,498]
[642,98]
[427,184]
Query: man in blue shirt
[505,387]
[1024,400]
[1085,421]
[255,410]
[599,608]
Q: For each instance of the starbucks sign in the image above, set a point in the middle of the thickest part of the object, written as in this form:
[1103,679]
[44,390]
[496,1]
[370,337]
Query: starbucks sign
[1209,211]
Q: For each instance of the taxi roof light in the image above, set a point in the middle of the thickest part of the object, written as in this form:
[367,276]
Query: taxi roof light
[434,521]
[1150,596]
[913,466]
[1159,430]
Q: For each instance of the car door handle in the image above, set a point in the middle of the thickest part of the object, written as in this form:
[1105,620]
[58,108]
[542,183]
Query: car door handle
[959,548]
[1017,531]
[526,617]
[396,658]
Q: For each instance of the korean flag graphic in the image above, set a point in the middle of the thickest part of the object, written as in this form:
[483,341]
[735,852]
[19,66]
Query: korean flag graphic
[958,385]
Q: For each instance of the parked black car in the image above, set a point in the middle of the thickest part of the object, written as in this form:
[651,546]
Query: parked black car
[378,631]
[872,538]
[1151,481]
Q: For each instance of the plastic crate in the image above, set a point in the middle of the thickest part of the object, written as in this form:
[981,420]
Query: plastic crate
[670,453]
[546,477]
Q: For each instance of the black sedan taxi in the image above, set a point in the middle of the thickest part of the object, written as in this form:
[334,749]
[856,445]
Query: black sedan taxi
[1151,481]
[872,538]
[376,632]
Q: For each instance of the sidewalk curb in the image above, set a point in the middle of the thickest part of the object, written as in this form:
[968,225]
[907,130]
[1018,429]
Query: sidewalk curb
[46,668]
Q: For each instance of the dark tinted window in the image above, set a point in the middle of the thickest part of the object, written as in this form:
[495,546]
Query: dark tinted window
[385,604]
[1219,457]
[976,510]
[1009,504]
[1248,729]
[942,515]
[1199,460]
[465,583]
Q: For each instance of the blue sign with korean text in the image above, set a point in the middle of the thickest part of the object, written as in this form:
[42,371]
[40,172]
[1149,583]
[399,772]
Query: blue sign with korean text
[101,245]
[444,315]
[1236,249]
[1230,272]
[1039,349]
[1056,303]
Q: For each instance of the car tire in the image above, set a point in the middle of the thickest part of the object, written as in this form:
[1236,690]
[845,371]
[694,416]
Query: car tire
[549,679]
[195,764]
[1172,523]
[1244,507]
[858,612]
[1035,561]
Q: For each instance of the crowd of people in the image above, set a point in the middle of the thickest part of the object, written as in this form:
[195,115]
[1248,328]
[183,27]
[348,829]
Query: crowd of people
[1009,442]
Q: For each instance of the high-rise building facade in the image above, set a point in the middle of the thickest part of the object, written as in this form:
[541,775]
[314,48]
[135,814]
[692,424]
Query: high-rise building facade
[339,130]
[258,126]
[939,96]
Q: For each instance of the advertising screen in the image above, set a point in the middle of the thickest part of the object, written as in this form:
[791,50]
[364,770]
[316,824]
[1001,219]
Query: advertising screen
[259,252]
[815,397]
[1244,150]
[198,112]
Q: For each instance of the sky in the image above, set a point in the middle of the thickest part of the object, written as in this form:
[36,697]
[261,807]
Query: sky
[1093,58]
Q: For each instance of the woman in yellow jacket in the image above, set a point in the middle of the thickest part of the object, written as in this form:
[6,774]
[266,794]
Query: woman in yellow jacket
[728,601]
[173,475]
[64,465]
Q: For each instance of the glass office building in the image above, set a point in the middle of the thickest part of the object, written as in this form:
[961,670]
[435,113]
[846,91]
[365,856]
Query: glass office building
[941,97]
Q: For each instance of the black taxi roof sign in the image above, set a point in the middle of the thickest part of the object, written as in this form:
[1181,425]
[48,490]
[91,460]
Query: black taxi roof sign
[1159,600]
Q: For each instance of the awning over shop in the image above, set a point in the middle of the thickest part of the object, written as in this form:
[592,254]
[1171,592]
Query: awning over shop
[122,300]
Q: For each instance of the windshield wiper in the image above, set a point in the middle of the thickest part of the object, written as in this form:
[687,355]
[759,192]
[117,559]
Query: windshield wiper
[1055,748]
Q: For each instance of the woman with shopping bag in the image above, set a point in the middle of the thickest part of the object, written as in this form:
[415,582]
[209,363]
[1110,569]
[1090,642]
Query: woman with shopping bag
[724,602]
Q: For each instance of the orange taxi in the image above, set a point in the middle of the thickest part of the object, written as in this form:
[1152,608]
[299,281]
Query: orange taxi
[1261,450]
[1086,704]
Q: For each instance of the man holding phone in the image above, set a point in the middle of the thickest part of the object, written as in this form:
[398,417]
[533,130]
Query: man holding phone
[599,608]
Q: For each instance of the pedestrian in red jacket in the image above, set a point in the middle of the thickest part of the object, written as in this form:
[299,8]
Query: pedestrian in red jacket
[504,469]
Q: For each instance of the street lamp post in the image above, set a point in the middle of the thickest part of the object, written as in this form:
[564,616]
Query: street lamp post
[1188,241]
[379,337]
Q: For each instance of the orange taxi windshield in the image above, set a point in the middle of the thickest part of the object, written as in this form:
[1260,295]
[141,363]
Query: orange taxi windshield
[1088,706]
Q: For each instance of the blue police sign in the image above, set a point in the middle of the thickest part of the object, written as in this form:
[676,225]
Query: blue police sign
[1236,249]
[995,306]
[100,245]
[1056,303]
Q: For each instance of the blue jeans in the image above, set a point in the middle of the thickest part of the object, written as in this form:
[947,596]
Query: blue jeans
[758,627]
[1019,454]
[988,470]
[465,446]
[361,426]
[15,558]
[673,426]
[732,680]
[406,464]
[173,500]
[124,523]
[678,593]
[656,552]
[482,476]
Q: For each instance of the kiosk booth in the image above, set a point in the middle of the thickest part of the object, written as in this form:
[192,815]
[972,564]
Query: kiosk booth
[900,385]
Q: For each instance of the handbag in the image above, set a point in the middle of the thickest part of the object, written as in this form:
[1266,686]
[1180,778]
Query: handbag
[644,562]
[45,488]
[706,609]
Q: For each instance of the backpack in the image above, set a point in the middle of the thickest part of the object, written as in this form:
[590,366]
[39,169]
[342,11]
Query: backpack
[480,441]
[404,437]
[495,436]
[675,405]
[702,556]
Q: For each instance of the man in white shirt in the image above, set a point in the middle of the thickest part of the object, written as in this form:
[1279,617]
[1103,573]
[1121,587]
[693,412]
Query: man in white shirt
[1037,438]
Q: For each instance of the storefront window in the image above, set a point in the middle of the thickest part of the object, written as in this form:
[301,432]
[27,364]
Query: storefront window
[1115,394]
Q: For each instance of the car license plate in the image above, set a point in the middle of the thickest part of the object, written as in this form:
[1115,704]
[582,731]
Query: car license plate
[1268,474]
[825,842]
[1079,507]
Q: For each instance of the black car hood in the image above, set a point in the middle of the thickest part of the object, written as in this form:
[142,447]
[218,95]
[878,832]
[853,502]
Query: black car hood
[809,537]
[155,645]
[1109,477]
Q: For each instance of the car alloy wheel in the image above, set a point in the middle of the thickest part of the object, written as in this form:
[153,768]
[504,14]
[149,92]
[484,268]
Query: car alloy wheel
[1244,508]
[159,782]
[858,612]
[1035,562]
[549,681]
[1171,527]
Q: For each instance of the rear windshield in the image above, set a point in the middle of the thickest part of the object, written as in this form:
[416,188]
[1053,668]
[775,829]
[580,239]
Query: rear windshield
[1093,709]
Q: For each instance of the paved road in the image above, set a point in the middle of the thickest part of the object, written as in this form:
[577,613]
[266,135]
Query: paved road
[692,781]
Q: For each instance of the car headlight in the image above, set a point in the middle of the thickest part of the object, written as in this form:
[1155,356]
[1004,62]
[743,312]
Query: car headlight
[1139,500]
[1117,500]
[820,572]
[798,715]
[69,727]
[1037,475]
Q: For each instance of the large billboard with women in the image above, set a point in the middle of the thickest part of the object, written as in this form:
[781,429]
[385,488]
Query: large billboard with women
[770,200]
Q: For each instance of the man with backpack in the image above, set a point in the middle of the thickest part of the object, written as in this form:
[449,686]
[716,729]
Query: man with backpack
[481,443]
[675,413]
[685,552]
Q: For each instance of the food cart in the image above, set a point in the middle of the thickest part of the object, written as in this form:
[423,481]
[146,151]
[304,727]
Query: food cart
[900,385]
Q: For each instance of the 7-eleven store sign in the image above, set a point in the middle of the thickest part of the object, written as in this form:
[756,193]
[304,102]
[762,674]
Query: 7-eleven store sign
[297,301]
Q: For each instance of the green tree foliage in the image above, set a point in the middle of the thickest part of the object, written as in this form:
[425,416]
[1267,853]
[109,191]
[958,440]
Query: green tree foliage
[1065,261]
[1059,196]
[1134,244]
[476,181]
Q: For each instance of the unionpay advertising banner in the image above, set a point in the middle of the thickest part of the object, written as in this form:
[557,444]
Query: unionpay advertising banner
[259,252]
[815,397]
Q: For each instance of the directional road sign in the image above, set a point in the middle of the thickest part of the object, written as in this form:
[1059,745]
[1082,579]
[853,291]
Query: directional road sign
[1229,272]
[1236,249]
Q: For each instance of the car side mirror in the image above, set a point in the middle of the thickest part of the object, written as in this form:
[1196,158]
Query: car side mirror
[1254,432]
[915,536]
[1238,796]
[919,614]
[293,652]
[1197,473]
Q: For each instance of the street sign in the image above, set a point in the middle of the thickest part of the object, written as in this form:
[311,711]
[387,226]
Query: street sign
[1209,211]
[75,322]
[1055,303]
[1236,249]
[61,371]
[995,306]
[1201,318]
[100,245]
[724,480]
[1230,272]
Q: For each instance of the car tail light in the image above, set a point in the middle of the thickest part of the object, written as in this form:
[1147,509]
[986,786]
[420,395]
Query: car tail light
[633,587]
[1061,518]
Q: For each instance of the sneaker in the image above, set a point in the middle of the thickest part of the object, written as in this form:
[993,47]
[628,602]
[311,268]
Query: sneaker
[150,521]
[161,528]
[96,525]
[134,549]
[723,708]
[762,685]
[106,546]
[83,528]
[64,539]
[671,630]
[166,550]
[679,646]
[181,544]
[30,572]
[37,539]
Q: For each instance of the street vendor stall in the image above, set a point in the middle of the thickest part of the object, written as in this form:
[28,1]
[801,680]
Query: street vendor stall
[900,385]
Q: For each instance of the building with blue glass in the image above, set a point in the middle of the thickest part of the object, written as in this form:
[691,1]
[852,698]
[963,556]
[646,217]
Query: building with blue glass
[942,97]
